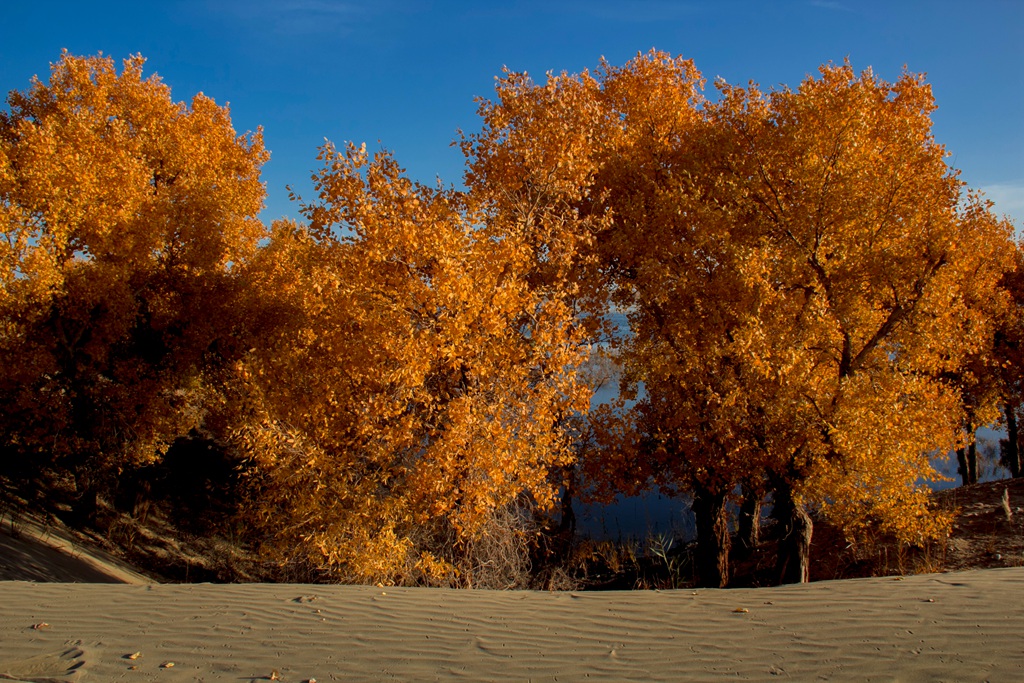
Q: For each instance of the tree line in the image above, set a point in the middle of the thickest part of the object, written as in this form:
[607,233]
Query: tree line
[817,307]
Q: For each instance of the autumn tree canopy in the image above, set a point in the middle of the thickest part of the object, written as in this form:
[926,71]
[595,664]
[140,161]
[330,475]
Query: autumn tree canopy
[124,215]
[804,277]
[420,386]
[1009,357]
[817,307]
[886,272]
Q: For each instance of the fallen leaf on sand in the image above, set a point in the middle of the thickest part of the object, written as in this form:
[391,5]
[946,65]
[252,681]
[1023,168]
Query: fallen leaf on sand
[167,665]
[40,626]
[134,655]
[741,610]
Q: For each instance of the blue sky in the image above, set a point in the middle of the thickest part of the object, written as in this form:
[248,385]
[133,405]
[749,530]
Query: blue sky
[406,72]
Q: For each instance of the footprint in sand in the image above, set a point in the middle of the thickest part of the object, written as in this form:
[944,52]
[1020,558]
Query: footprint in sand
[59,667]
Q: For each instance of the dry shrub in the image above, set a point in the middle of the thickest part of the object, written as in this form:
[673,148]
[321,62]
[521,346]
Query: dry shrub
[498,555]
[872,553]
[601,562]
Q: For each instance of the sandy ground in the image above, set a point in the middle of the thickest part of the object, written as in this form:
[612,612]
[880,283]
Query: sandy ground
[69,612]
[962,626]
[32,551]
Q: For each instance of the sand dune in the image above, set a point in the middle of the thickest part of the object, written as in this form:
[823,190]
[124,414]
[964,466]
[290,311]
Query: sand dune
[33,551]
[118,625]
[959,627]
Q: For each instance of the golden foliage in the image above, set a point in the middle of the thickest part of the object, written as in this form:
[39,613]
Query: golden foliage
[808,285]
[813,298]
[419,384]
[886,273]
[123,213]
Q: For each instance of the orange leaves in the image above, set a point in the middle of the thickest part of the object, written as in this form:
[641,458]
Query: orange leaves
[123,212]
[429,378]
[797,267]
[811,301]
[849,192]
[100,152]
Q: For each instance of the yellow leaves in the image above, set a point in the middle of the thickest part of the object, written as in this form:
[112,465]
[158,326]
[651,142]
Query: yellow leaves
[436,569]
[429,384]
[881,438]
[797,268]
[100,154]
[793,262]
[124,212]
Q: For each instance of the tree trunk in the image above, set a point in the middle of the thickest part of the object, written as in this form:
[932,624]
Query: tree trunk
[967,464]
[712,555]
[567,524]
[1012,454]
[749,532]
[961,466]
[85,507]
[793,564]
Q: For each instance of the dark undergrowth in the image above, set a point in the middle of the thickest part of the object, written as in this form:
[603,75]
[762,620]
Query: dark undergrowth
[176,531]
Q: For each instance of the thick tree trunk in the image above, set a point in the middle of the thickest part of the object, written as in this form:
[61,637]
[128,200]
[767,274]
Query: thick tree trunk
[567,524]
[967,464]
[749,532]
[961,466]
[712,556]
[1012,454]
[793,564]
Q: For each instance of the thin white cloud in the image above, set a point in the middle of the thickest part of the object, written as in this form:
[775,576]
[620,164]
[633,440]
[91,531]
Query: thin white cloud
[1008,199]
[830,5]
[312,16]
[296,17]
[640,11]
[323,7]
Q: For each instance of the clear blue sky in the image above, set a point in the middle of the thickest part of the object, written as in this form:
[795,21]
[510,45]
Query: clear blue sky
[406,72]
